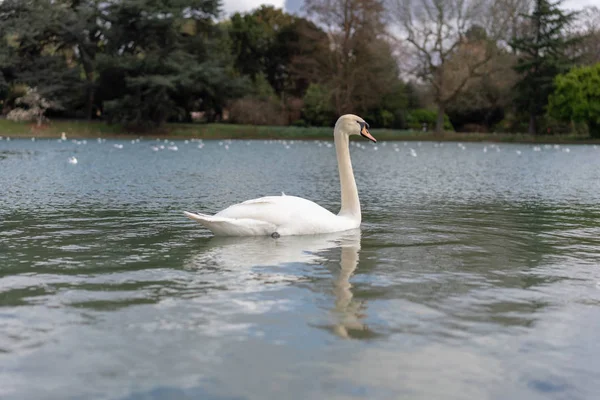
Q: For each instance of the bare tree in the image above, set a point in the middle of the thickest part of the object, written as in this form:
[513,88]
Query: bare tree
[355,65]
[588,27]
[449,45]
[503,19]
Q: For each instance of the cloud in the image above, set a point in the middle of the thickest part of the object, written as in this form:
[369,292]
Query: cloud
[579,4]
[232,6]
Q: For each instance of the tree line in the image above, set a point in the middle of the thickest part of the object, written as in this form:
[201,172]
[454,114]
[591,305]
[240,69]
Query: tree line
[469,65]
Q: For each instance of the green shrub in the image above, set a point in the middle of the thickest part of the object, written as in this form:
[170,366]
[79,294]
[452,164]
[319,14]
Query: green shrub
[317,110]
[576,97]
[300,123]
[416,119]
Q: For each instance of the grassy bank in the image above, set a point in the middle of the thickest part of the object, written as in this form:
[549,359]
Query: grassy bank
[83,129]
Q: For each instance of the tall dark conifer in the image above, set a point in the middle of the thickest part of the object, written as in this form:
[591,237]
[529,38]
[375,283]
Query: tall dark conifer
[542,54]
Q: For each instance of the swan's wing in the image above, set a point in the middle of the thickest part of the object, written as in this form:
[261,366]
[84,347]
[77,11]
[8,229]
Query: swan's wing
[277,210]
[221,226]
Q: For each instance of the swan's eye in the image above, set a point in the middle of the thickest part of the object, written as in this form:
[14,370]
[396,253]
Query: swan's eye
[363,124]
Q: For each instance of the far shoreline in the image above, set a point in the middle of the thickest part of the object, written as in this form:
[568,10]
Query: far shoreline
[74,129]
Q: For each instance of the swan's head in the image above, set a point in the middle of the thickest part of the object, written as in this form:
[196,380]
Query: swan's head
[351,124]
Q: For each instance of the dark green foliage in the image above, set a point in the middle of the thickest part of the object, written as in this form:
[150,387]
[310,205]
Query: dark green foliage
[53,45]
[391,110]
[165,57]
[278,46]
[254,38]
[543,53]
[140,62]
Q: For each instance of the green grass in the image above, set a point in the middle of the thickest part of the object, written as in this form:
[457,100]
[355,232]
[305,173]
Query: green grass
[83,129]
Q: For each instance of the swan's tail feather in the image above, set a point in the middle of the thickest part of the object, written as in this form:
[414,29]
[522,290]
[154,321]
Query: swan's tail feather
[202,218]
[221,226]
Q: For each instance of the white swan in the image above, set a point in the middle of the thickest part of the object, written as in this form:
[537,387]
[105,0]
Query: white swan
[290,215]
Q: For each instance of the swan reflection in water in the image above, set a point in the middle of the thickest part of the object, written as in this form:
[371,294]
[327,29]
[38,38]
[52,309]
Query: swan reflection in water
[241,256]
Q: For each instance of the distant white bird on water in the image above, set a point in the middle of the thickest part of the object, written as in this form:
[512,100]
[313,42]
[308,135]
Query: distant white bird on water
[413,152]
[173,148]
[537,148]
[518,152]
[72,160]
[117,146]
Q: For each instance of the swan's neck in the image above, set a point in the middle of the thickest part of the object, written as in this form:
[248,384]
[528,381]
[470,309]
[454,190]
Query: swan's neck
[350,202]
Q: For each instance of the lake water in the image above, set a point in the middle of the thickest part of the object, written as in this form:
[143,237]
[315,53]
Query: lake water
[475,274]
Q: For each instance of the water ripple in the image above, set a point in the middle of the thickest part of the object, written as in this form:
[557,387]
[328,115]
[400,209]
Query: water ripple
[474,276]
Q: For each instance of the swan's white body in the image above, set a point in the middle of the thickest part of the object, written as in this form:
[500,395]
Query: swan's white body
[286,215]
[291,215]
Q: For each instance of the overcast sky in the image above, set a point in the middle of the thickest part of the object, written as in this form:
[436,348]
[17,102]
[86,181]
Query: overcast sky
[231,6]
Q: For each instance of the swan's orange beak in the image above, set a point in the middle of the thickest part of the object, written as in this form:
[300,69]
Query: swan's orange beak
[365,133]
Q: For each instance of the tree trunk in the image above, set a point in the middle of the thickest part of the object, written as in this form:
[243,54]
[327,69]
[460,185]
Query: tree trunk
[89,112]
[439,124]
[90,75]
[532,128]
[594,129]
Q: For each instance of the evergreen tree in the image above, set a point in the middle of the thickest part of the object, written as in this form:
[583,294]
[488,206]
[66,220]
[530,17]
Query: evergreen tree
[52,45]
[163,59]
[542,54]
